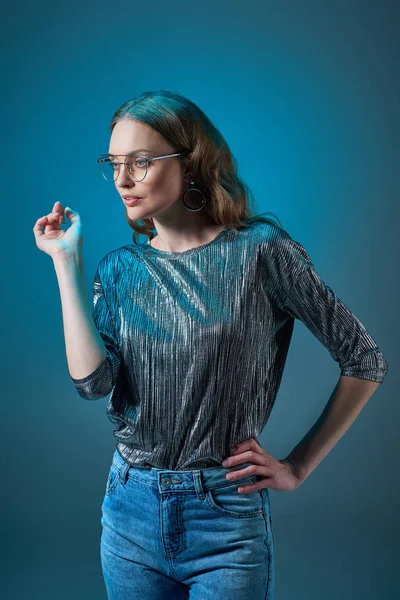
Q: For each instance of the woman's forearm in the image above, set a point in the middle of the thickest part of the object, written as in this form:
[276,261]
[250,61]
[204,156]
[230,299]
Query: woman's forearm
[345,403]
[84,346]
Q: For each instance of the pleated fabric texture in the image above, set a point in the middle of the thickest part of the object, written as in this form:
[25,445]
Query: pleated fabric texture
[197,341]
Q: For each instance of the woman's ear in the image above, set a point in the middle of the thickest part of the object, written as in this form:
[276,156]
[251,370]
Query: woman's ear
[188,176]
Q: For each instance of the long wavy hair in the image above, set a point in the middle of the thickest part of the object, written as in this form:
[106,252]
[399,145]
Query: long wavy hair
[185,126]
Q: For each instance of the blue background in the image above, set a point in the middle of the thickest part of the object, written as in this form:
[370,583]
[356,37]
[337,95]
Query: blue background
[307,96]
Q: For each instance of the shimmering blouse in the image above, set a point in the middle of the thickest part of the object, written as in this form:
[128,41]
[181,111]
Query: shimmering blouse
[197,341]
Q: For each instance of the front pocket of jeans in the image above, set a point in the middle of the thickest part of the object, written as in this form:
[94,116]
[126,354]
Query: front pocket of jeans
[226,500]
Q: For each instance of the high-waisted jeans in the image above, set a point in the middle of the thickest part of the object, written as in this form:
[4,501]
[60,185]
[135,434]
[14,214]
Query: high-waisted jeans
[174,535]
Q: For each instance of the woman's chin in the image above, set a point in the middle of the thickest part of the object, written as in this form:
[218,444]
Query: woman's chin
[139,215]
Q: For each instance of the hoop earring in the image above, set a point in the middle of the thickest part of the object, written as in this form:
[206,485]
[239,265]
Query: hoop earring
[193,189]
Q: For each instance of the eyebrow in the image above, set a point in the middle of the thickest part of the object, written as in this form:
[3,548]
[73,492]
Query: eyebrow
[133,151]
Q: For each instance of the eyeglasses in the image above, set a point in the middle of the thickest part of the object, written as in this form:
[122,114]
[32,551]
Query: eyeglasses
[136,166]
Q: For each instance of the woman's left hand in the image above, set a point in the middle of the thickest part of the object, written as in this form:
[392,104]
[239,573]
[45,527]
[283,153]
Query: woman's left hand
[276,474]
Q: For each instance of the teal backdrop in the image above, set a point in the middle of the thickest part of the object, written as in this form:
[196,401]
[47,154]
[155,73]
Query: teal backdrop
[307,96]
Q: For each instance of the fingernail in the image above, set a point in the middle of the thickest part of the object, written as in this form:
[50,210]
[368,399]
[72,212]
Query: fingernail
[225,463]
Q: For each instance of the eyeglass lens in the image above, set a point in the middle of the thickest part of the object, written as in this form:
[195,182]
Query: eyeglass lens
[136,167]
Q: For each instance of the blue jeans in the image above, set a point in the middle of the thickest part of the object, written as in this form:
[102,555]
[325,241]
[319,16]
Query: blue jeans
[174,535]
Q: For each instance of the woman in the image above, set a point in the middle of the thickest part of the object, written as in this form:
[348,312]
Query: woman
[189,334]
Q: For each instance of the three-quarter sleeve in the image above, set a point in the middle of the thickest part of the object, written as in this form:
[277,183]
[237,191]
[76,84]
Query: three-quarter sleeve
[102,380]
[303,295]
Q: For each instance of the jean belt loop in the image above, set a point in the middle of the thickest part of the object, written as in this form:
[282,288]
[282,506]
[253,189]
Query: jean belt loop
[123,474]
[198,484]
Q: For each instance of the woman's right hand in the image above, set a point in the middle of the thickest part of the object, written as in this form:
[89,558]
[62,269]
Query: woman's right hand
[55,240]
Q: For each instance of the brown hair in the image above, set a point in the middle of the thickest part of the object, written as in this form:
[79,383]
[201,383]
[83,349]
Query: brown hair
[186,127]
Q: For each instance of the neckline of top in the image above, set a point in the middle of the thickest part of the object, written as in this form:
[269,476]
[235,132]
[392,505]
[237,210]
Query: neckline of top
[147,246]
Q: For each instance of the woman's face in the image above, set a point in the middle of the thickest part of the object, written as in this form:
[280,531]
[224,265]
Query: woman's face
[161,189]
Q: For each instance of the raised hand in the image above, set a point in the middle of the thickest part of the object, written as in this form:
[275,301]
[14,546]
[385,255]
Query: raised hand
[54,239]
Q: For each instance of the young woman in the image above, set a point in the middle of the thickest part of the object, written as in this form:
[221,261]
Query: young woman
[189,333]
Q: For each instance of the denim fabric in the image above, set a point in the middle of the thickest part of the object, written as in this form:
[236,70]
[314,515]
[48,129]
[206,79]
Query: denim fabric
[180,534]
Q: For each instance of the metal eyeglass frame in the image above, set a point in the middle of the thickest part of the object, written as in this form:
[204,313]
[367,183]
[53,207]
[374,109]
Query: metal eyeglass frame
[104,157]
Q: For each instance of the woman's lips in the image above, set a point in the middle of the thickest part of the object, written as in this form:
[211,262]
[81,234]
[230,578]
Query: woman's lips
[131,201]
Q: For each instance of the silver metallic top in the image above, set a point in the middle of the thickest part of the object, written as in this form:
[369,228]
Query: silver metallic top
[197,341]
